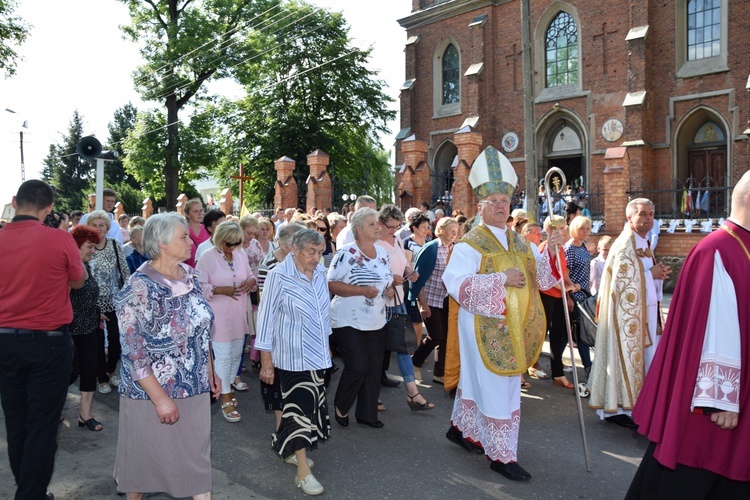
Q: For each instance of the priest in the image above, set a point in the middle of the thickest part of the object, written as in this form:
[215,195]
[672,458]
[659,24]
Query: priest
[629,325]
[495,277]
[694,403]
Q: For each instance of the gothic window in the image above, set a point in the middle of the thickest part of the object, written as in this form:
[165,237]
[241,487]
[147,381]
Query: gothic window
[451,88]
[703,29]
[561,44]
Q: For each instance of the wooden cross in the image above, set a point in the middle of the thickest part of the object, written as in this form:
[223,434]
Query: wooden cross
[242,178]
[512,58]
[603,36]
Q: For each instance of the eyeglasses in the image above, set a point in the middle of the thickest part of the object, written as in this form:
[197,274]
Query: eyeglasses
[231,245]
[495,203]
[322,229]
[392,228]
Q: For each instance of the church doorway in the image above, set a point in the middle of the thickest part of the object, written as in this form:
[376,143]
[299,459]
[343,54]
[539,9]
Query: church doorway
[701,168]
[441,177]
[564,150]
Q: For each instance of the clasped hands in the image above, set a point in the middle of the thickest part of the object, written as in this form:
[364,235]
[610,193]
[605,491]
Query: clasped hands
[660,271]
[235,291]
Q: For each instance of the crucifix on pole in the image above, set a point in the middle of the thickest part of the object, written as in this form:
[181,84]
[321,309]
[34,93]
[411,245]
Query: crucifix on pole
[242,178]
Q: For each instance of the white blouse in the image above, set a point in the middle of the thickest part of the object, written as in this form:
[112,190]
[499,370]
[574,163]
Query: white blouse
[352,267]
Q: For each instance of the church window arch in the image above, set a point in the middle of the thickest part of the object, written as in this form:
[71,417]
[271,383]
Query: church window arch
[561,51]
[447,78]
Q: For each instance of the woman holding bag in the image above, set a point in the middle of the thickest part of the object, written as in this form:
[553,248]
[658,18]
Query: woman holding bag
[390,220]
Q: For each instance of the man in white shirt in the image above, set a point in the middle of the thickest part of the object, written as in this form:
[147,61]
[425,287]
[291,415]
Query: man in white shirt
[346,236]
[109,198]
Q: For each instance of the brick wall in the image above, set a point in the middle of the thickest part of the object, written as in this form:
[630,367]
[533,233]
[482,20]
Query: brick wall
[610,68]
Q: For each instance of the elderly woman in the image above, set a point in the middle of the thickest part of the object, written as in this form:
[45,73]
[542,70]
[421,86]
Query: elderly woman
[293,339]
[553,306]
[322,226]
[360,278]
[110,270]
[83,329]
[194,214]
[226,280]
[271,392]
[430,293]
[579,265]
[164,440]
[336,223]
[138,255]
[266,234]
[390,221]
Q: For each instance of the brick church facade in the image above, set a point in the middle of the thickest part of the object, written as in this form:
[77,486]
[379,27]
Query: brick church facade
[628,95]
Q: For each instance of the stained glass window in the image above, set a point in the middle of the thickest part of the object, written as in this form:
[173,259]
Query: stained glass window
[703,29]
[562,51]
[451,89]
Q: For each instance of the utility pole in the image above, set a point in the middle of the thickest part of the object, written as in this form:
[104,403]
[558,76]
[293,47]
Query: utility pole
[529,139]
[23,164]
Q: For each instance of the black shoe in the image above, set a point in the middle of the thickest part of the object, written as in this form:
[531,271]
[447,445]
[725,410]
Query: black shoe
[511,470]
[342,421]
[386,382]
[454,436]
[438,380]
[49,496]
[622,420]
[376,424]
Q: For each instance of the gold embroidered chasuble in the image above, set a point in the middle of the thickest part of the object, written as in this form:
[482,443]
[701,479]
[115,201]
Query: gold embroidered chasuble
[511,346]
[622,336]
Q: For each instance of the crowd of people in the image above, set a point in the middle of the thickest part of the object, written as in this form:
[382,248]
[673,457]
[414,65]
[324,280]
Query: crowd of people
[172,310]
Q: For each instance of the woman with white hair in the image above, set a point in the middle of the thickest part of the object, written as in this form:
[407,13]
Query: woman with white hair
[226,279]
[360,277]
[164,439]
[271,391]
[110,269]
[293,336]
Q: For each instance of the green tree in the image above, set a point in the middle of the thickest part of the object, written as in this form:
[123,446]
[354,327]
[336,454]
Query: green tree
[64,169]
[185,44]
[312,91]
[13,32]
[119,129]
[149,134]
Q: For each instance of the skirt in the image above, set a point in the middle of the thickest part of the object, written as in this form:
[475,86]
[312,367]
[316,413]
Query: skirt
[305,418]
[155,457]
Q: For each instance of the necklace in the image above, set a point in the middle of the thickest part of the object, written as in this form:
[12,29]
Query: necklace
[230,263]
[734,235]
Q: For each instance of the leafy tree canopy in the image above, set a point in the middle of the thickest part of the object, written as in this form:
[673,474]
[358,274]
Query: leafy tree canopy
[186,44]
[13,32]
[311,90]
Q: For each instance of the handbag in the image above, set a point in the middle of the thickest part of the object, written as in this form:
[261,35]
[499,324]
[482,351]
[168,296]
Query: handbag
[395,328]
[587,319]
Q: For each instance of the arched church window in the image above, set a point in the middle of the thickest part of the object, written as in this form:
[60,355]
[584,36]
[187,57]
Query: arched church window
[561,46]
[451,88]
[703,29]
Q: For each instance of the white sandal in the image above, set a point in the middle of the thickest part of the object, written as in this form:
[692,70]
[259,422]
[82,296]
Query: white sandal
[232,416]
[310,485]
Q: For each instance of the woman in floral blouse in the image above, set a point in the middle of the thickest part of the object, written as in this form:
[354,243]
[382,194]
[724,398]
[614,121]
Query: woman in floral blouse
[164,440]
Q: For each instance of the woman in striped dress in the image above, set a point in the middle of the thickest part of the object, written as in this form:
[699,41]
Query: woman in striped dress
[292,335]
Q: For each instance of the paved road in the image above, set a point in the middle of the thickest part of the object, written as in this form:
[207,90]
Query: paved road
[409,458]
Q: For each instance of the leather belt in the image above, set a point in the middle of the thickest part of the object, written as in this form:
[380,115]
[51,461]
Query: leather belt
[23,331]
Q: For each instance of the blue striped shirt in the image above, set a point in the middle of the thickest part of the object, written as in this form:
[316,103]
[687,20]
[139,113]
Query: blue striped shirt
[293,318]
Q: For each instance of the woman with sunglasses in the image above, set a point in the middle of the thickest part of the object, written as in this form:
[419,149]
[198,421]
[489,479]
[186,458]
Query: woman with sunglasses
[227,279]
[324,228]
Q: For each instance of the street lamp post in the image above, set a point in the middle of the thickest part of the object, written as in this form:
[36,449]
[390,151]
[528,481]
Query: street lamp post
[24,125]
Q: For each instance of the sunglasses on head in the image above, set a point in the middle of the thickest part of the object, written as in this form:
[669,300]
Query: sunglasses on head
[230,245]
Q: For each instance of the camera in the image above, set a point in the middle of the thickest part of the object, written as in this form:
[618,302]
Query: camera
[53,220]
